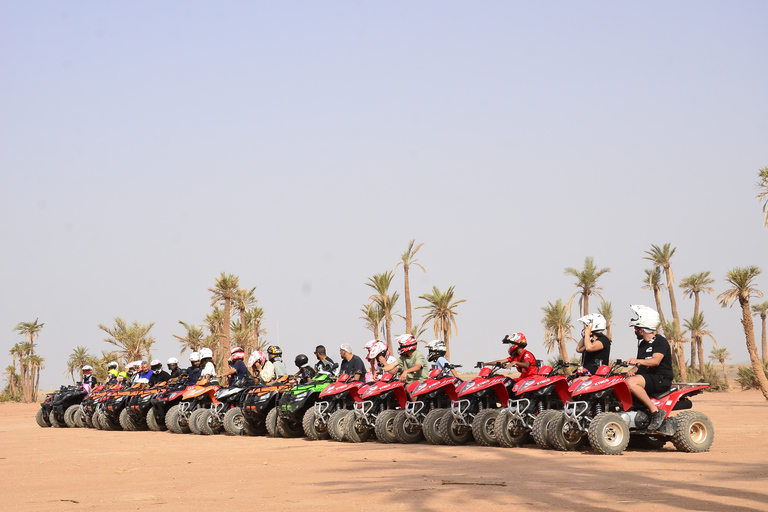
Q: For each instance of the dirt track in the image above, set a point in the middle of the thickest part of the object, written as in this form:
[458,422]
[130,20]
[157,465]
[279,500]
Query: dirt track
[50,469]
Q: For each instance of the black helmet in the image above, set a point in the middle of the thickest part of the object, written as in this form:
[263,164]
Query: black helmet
[301,360]
[274,351]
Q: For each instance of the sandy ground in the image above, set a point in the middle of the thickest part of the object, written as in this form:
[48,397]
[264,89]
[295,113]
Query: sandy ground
[49,469]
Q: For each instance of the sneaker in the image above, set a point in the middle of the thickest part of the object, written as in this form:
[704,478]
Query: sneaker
[657,418]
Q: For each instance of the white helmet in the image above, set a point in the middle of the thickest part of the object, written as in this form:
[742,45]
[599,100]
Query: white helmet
[376,348]
[206,352]
[87,368]
[156,362]
[173,360]
[596,320]
[259,356]
[135,365]
[436,346]
[112,364]
[194,356]
[646,318]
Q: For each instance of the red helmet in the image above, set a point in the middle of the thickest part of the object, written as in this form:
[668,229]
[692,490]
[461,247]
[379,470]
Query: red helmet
[238,354]
[517,340]
[406,343]
[375,349]
[257,355]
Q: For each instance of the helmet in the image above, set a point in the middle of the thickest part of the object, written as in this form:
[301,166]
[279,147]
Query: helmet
[122,375]
[156,362]
[301,360]
[406,343]
[112,364]
[596,320]
[206,353]
[375,349]
[436,349]
[238,354]
[87,369]
[257,355]
[113,372]
[518,340]
[194,357]
[646,318]
[135,365]
[173,360]
[274,351]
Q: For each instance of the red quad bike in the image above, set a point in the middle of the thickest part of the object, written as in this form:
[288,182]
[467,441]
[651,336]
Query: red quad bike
[183,417]
[375,409]
[476,408]
[538,400]
[603,411]
[430,401]
[334,406]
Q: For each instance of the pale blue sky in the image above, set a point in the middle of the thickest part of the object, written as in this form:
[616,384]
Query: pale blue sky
[145,147]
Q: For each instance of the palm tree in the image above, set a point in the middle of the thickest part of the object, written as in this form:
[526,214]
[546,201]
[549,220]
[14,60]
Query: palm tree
[721,355]
[742,289]
[698,329]
[762,185]
[380,283]
[13,381]
[216,324]
[224,293]
[241,335]
[133,341]
[441,310]
[193,341]
[418,330]
[243,301]
[557,327]
[653,283]
[372,314]
[676,338]
[762,310]
[409,258]
[36,365]
[253,318]
[31,330]
[606,309]
[586,282]
[77,359]
[692,286]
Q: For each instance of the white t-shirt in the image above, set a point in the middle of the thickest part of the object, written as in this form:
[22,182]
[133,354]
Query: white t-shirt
[209,369]
[267,372]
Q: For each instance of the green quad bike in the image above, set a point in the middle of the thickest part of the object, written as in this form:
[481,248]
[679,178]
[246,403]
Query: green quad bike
[296,401]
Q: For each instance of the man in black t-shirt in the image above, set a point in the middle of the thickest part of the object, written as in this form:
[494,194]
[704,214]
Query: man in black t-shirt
[351,364]
[653,364]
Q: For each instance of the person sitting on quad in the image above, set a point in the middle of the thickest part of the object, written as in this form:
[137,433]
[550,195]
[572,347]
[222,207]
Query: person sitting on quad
[158,374]
[351,364]
[437,350]
[275,357]
[519,356]
[324,363]
[653,365]
[173,367]
[193,372]
[206,362]
[237,368]
[89,379]
[262,368]
[594,345]
[123,379]
[112,371]
[133,370]
[305,373]
[411,361]
[378,357]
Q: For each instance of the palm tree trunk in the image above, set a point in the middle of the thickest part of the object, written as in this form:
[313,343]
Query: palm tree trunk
[695,347]
[446,338]
[586,304]
[408,314]
[388,327]
[657,297]
[227,334]
[725,376]
[749,331]
[765,341]
[700,346]
[562,346]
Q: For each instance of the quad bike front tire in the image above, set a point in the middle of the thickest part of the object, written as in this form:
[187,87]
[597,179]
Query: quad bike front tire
[385,426]
[172,420]
[69,416]
[54,422]
[539,429]
[126,420]
[484,427]
[509,433]
[254,429]
[407,431]
[208,424]
[194,421]
[107,423]
[271,423]
[153,423]
[288,429]
[561,437]
[431,425]
[336,424]
[96,420]
[311,429]
[41,418]
[608,433]
[452,432]
[354,431]
[694,432]
[88,420]
[79,418]
[234,422]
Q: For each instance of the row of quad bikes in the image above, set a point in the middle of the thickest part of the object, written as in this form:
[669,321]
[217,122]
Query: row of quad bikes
[552,409]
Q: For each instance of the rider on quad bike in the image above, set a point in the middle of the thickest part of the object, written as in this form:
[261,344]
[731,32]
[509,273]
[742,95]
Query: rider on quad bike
[378,357]
[519,356]
[411,361]
[594,345]
[437,351]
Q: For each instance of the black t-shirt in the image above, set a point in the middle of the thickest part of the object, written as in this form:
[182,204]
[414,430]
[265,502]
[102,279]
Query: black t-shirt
[305,374]
[353,366]
[193,374]
[241,375]
[592,360]
[658,345]
[157,377]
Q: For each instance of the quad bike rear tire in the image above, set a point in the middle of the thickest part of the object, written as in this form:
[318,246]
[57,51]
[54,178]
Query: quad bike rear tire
[88,421]
[96,420]
[385,426]
[153,423]
[234,422]
[194,421]
[78,418]
[54,422]
[69,415]
[354,431]
[288,429]
[311,429]
[431,425]
[407,431]
[126,420]
[172,420]
[558,433]
[608,433]
[452,432]
[509,433]
[336,424]
[41,419]
[539,429]
[271,423]
[484,427]
[208,424]
[694,432]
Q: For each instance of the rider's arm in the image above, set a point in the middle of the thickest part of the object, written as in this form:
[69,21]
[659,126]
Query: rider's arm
[654,360]
[389,367]
[580,347]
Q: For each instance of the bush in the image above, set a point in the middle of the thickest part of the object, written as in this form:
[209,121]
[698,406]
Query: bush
[712,375]
[7,396]
[746,377]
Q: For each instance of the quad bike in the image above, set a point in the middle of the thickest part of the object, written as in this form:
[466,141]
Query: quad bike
[603,411]
[333,407]
[162,402]
[58,409]
[134,415]
[90,408]
[430,401]
[114,407]
[375,410]
[295,403]
[257,414]
[183,417]
[537,399]
[476,408]
[212,419]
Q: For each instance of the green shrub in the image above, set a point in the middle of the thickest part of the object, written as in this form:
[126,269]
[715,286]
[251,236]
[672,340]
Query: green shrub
[7,396]
[712,375]
[746,377]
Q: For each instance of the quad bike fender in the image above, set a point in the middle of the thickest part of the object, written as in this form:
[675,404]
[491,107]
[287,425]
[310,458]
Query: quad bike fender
[668,402]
